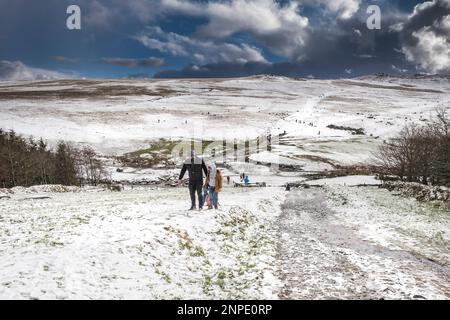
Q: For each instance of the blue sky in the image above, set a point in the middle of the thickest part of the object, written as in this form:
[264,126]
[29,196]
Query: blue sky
[176,38]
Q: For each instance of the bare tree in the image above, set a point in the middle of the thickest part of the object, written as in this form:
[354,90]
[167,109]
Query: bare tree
[65,172]
[440,130]
[27,162]
[419,153]
[91,167]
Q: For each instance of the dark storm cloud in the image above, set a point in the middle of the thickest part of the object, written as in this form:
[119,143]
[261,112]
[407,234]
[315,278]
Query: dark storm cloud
[226,38]
[424,37]
[338,48]
[427,14]
[350,44]
[313,69]
[224,69]
[133,63]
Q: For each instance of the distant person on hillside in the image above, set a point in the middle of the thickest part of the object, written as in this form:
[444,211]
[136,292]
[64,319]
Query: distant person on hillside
[195,167]
[246,180]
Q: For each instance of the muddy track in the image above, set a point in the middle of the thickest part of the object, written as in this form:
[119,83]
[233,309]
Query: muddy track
[323,257]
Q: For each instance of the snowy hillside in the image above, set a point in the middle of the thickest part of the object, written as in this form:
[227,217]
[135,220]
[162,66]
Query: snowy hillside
[314,116]
[338,237]
[262,243]
[138,244]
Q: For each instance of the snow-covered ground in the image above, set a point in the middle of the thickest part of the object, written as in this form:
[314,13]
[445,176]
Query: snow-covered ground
[118,116]
[362,243]
[335,239]
[263,243]
[139,243]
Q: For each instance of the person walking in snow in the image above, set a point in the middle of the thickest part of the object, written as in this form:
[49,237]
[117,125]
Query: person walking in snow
[195,167]
[214,181]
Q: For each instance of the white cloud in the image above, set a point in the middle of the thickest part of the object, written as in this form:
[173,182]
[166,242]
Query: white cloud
[201,51]
[345,9]
[425,36]
[396,27]
[444,24]
[421,7]
[431,52]
[17,71]
[279,27]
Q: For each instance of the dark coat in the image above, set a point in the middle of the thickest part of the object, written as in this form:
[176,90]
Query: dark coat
[195,167]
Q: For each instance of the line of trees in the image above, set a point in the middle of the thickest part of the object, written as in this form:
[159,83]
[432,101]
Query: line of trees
[419,153]
[27,162]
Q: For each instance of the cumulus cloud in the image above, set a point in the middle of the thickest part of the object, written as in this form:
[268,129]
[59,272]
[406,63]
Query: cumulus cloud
[345,9]
[323,49]
[444,24]
[133,63]
[17,71]
[201,51]
[317,37]
[279,27]
[431,51]
[425,36]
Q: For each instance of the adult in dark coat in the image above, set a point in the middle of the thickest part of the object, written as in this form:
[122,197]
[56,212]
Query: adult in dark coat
[195,167]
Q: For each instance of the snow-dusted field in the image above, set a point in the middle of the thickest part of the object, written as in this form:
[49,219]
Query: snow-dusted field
[116,116]
[264,243]
[138,244]
[335,239]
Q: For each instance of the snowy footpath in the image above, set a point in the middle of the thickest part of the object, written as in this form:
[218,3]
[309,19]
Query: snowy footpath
[330,242]
[341,242]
